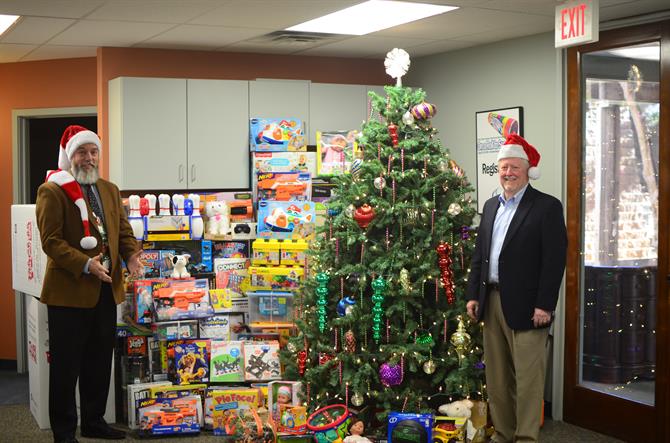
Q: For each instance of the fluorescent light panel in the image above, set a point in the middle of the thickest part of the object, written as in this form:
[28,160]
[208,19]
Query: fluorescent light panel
[371,16]
[6,21]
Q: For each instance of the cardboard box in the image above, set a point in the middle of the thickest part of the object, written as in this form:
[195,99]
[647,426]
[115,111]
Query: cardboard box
[37,332]
[29,262]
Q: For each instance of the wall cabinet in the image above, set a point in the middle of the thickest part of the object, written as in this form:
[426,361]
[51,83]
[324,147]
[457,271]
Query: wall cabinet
[178,134]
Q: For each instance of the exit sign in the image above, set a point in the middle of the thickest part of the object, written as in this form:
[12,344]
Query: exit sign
[576,23]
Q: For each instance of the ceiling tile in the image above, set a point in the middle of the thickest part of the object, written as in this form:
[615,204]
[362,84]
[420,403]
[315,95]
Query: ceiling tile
[56,51]
[506,33]
[439,46]
[200,37]
[12,53]
[108,33]
[50,8]
[270,13]
[365,46]
[159,11]
[632,8]
[36,30]
[257,48]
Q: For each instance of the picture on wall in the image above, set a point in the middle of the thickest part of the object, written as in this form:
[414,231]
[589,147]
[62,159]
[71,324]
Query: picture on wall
[492,128]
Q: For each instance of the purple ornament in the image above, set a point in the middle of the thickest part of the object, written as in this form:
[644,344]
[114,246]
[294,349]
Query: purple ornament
[465,232]
[390,375]
[480,365]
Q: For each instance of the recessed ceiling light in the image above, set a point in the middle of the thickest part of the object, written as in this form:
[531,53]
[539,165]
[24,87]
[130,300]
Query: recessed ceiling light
[6,21]
[371,16]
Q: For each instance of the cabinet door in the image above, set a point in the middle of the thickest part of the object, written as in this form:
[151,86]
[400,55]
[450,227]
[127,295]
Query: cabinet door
[335,107]
[281,98]
[218,134]
[147,133]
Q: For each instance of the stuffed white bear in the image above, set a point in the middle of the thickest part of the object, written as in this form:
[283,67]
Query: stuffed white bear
[219,218]
[179,263]
[460,408]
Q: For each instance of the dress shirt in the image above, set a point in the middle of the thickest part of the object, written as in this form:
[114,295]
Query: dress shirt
[504,215]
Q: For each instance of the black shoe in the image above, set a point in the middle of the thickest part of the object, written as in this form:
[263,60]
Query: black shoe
[103,431]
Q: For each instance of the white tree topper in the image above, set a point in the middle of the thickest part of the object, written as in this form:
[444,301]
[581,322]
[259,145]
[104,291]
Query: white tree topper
[397,64]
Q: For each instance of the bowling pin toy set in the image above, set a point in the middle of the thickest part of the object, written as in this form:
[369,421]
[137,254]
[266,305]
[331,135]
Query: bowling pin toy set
[182,222]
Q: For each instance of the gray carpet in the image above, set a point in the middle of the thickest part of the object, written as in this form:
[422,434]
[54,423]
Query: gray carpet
[18,425]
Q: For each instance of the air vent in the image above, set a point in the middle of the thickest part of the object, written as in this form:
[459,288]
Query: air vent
[295,38]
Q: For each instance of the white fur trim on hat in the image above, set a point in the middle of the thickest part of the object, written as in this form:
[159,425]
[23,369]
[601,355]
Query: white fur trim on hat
[507,151]
[534,173]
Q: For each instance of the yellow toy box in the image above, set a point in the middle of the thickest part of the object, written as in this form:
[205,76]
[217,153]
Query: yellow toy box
[293,252]
[277,278]
[265,252]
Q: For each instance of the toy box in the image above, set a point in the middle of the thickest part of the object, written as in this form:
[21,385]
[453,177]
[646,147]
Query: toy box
[227,403]
[167,227]
[330,423]
[222,302]
[177,391]
[265,252]
[219,326]
[284,162]
[174,330]
[143,301]
[226,364]
[200,252]
[181,299]
[283,393]
[322,189]
[293,252]
[276,278]
[135,393]
[232,276]
[292,419]
[286,220]
[151,261]
[336,151]
[449,429]
[270,309]
[230,249]
[276,134]
[261,361]
[165,416]
[190,358]
[283,186]
[407,427]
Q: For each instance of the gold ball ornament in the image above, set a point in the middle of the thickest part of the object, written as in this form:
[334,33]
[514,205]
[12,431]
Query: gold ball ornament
[454,209]
[460,339]
[357,399]
[429,367]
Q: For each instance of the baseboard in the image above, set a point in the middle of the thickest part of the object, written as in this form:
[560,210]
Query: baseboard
[7,365]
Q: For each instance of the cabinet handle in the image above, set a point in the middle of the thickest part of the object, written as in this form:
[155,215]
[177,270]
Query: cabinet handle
[192,173]
[181,173]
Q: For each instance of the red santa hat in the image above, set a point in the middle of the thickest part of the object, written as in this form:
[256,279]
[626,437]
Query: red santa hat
[73,137]
[516,146]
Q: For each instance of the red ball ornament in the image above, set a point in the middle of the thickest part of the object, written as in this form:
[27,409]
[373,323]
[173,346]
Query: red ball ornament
[393,132]
[364,215]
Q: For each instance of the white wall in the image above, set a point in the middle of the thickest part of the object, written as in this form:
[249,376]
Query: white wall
[519,72]
[524,72]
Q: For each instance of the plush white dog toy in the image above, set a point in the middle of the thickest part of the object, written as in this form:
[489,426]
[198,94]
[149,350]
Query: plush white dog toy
[179,263]
[219,218]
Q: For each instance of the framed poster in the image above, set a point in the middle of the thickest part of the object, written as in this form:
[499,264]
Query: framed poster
[492,128]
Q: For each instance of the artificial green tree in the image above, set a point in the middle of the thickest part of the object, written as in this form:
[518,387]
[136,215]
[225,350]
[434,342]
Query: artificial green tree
[376,320]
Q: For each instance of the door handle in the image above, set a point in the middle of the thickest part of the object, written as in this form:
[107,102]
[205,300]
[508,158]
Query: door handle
[192,173]
[181,173]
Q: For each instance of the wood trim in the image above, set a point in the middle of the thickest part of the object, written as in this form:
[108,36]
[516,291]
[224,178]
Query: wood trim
[584,407]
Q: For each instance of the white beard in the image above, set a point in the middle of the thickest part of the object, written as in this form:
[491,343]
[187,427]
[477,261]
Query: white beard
[84,177]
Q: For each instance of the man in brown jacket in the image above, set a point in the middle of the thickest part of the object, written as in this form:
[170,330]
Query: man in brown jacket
[85,234]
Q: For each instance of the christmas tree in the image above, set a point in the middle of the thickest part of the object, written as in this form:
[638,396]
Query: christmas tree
[379,314]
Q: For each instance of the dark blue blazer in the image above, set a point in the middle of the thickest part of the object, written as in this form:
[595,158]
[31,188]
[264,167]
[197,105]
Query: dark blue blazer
[531,262]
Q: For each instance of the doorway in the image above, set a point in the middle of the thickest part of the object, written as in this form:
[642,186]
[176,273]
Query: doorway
[616,363]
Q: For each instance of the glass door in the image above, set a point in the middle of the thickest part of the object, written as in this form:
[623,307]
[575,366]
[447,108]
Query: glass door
[616,288]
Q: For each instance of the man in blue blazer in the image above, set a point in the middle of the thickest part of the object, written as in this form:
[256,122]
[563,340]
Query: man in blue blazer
[515,277]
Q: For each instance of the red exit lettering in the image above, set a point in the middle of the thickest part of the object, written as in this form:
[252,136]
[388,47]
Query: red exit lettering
[573,22]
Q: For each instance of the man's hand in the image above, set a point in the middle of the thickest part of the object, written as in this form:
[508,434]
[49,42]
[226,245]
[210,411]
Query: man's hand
[134,265]
[541,317]
[473,308]
[96,268]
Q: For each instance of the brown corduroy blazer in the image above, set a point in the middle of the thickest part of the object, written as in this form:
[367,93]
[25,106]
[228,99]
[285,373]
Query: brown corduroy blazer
[61,229]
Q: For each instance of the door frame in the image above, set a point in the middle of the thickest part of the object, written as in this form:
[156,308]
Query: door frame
[584,407]
[20,195]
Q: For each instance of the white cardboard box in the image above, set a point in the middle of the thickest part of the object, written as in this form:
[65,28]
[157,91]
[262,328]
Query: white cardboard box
[28,260]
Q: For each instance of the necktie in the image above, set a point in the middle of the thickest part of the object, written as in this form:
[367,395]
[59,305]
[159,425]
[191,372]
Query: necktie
[93,201]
